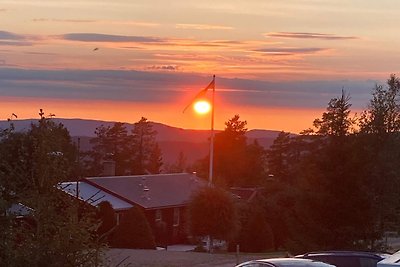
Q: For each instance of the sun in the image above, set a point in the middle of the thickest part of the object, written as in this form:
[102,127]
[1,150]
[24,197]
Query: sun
[202,107]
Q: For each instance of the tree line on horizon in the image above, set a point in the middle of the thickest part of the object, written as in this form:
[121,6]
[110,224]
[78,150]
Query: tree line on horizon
[334,186]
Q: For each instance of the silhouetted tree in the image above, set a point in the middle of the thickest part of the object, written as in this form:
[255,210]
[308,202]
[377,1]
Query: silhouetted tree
[278,154]
[179,166]
[380,150]
[107,219]
[383,113]
[32,164]
[212,213]
[144,144]
[336,120]
[255,234]
[110,144]
[230,151]
[133,231]
[155,160]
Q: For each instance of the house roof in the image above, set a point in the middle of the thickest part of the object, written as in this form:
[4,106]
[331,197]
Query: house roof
[93,195]
[19,210]
[151,191]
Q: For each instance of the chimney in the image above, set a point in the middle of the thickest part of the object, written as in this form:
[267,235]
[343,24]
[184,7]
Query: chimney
[109,168]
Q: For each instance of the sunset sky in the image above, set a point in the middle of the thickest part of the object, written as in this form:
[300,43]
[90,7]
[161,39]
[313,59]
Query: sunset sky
[277,63]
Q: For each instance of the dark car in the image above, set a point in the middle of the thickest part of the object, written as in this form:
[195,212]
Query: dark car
[345,258]
[284,262]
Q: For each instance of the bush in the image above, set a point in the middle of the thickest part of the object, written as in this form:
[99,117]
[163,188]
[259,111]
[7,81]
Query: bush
[108,222]
[255,234]
[212,213]
[133,231]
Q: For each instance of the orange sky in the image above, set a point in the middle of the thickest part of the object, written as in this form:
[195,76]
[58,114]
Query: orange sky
[293,120]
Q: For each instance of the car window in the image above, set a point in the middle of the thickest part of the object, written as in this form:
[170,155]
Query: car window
[345,261]
[256,264]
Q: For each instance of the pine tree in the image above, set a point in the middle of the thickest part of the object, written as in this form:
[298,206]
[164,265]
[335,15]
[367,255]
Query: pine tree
[144,144]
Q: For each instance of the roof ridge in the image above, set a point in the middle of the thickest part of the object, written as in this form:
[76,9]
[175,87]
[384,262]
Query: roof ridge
[139,175]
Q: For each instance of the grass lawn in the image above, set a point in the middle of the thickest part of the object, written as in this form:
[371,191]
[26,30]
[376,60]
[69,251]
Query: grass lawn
[158,258]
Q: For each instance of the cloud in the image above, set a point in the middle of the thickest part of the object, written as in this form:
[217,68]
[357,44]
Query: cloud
[97,37]
[169,87]
[164,67]
[15,43]
[64,20]
[4,35]
[40,53]
[290,50]
[309,35]
[202,27]
[13,39]
[108,22]
[147,40]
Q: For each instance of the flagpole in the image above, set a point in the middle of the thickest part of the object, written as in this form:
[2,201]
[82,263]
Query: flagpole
[210,174]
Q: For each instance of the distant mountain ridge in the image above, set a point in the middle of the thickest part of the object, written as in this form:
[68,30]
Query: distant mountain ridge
[172,140]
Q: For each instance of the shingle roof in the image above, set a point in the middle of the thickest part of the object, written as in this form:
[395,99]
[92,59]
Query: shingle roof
[151,191]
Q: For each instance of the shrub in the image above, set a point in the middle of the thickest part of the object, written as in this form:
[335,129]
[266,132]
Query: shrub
[133,231]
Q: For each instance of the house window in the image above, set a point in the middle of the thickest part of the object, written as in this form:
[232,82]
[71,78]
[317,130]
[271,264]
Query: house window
[158,215]
[118,219]
[176,216]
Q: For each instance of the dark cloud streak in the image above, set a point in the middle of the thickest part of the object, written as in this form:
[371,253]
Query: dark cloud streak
[4,35]
[167,87]
[97,37]
[309,35]
[290,51]
[65,20]
[15,43]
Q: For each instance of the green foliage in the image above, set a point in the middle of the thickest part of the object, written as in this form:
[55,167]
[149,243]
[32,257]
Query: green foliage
[133,232]
[337,188]
[255,234]
[383,113]
[277,156]
[108,222]
[237,163]
[57,231]
[155,160]
[179,166]
[212,213]
[336,120]
[135,153]
[110,144]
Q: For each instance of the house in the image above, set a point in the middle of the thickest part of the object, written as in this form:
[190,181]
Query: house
[162,197]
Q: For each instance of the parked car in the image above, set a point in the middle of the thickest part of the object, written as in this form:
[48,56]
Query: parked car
[284,262]
[390,261]
[345,258]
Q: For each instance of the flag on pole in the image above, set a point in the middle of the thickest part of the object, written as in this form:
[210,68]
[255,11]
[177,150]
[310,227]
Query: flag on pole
[200,94]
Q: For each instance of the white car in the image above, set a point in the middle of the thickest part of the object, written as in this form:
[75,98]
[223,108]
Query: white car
[284,262]
[390,261]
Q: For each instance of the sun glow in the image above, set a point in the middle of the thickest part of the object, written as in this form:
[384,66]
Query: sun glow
[202,107]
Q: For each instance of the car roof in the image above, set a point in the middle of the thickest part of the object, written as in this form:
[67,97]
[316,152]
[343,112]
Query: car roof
[282,262]
[344,253]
